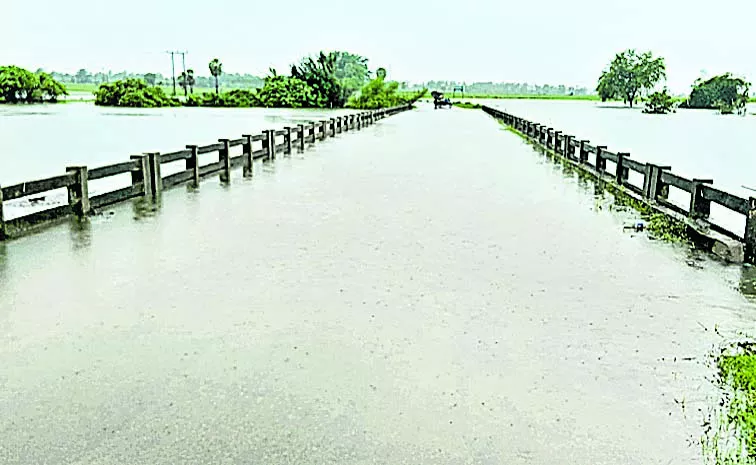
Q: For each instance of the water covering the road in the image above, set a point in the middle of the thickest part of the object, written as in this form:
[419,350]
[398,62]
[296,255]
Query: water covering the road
[427,291]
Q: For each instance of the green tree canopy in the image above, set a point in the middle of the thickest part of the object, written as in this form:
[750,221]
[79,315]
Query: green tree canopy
[659,103]
[351,72]
[132,93]
[724,92]
[320,74]
[379,93]
[629,75]
[18,85]
[216,69]
[287,92]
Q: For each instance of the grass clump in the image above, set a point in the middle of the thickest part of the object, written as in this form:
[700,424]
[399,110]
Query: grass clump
[731,436]
[468,105]
[665,228]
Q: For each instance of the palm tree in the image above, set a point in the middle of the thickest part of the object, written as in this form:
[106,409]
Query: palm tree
[183,82]
[216,70]
[190,81]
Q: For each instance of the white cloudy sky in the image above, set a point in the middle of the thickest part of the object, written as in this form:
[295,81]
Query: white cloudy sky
[543,41]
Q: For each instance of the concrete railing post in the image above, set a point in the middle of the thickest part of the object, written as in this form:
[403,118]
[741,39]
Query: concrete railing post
[557,145]
[156,179]
[359,121]
[583,152]
[750,232]
[142,174]
[324,133]
[600,160]
[568,152]
[78,193]
[287,139]
[700,208]
[248,169]
[623,172]
[301,137]
[224,157]
[653,186]
[270,136]
[192,163]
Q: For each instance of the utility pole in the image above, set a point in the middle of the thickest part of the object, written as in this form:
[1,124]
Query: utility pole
[183,63]
[173,67]
[173,72]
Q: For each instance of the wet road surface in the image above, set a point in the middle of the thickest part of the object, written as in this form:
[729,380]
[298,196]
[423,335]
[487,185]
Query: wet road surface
[427,291]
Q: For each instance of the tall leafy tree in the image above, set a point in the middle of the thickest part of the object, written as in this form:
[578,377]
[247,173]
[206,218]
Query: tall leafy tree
[725,92]
[629,75]
[18,85]
[320,74]
[216,69]
[352,73]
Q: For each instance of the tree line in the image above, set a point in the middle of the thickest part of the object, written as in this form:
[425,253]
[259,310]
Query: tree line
[328,80]
[231,80]
[632,76]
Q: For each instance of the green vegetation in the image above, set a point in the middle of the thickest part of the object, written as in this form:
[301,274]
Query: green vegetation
[724,92]
[468,105]
[659,103]
[493,89]
[18,85]
[731,434]
[629,75]
[185,81]
[132,93]
[90,81]
[380,93]
[329,80]
[287,92]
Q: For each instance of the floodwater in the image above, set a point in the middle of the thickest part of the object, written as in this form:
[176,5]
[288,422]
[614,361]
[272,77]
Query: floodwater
[696,143]
[430,290]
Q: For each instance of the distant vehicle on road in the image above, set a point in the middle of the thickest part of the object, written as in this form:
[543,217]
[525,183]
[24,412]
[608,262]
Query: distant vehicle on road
[439,101]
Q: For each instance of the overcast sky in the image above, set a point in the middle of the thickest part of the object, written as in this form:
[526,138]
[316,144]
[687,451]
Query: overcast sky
[544,41]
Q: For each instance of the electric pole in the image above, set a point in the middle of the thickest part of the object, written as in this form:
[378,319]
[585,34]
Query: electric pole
[183,63]
[173,66]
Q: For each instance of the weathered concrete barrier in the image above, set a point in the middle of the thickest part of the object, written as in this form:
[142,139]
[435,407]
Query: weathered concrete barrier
[654,190]
[147,181]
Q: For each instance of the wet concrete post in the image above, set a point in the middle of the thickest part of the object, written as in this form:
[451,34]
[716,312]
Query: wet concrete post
[534,131]
[3,231]
[542,136]
[224,157]
[583,151]
[248,169]
[359,121]
[192,163]
[700,207]
[287,139]
[142,174]
[557,145]
[301,137]
[271,136]
[568,152]
[332,126]
[324,133]
[750,232]
[78,193]
[623,172]
[600,160]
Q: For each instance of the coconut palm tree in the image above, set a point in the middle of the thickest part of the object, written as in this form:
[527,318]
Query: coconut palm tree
[216,68]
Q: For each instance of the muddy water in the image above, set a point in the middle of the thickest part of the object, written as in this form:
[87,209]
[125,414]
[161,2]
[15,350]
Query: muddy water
[430,290]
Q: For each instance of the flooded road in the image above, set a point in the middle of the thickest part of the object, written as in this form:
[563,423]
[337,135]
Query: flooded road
[426,291]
